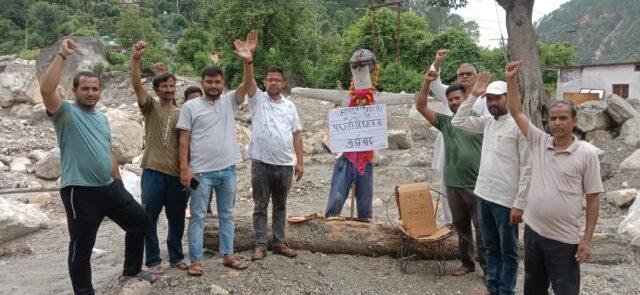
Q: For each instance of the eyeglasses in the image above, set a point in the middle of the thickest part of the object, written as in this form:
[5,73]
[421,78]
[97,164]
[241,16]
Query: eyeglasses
[469,74]
[355,65]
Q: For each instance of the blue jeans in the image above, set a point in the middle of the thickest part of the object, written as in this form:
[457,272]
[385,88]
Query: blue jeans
[163,190]
[224,182]
[344,173]
[501,247]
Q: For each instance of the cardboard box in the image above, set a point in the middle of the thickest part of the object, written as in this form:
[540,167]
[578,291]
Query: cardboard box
[416,209]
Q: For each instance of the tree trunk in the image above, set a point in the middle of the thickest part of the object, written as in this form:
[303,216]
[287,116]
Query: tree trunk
[331,237]
[522,46]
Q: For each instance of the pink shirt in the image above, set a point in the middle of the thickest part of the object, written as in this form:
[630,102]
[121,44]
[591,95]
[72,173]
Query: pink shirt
[560,180]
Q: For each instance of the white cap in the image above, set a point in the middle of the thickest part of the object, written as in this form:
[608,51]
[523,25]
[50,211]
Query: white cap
[497,88]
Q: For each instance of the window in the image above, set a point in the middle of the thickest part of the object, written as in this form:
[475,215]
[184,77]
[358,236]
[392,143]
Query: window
[621,90]
[637,67]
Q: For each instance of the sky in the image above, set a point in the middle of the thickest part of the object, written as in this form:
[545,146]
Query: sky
[489,20]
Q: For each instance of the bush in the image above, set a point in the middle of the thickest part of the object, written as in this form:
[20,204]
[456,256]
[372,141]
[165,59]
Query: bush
[29,54]
[187,70]
[98,68]
[395,77]
[115,58]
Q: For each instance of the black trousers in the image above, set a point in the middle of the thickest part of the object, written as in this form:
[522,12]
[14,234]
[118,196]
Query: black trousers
[85,208]
[549,261]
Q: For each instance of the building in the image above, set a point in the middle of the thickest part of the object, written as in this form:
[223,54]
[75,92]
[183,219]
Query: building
[622,79]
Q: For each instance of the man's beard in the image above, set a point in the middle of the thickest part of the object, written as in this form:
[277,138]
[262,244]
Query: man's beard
[497,111]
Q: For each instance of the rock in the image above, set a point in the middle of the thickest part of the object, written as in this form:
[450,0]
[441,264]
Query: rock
[37,155]
[136,287]
[413,160]
[597,134]
[399,139]
[608,249]
[22,110]
[592,116]
[3,167]
[131,184]
[5,159]
[39,112]
[6,97]
[19,164]
[635,102]
[126,136]
[17,220]
[244,114]
[630,132]
[619,109]
[48,168]
[217,290]
[30,198]
[622,198]
[89,52]
[33,94]
[19,77]
[632,162]
[316,143]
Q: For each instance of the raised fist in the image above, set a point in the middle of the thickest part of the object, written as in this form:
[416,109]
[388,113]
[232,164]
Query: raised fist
[441,54]
[67,47]
[139,49]
[512,68]
[431,76]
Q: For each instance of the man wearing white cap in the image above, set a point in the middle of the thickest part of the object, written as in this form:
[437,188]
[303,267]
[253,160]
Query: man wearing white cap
[502,184]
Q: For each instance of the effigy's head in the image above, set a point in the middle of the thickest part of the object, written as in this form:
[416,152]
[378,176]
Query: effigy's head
[363,65]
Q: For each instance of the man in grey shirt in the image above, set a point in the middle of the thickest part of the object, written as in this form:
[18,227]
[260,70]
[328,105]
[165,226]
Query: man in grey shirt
[208,154]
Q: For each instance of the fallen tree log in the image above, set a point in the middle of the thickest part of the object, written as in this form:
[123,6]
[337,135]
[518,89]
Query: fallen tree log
[333,237]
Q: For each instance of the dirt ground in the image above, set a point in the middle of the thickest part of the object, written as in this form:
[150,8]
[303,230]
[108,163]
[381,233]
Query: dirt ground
[36,264]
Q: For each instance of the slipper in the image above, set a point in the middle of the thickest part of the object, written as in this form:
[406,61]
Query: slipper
[298,219]
[234,263]
[180,265]
[463,270]
[258,253]
[195,269]
[284,250]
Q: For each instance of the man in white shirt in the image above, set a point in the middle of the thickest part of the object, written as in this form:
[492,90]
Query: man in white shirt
[502,184]
[466,76]
[275,135]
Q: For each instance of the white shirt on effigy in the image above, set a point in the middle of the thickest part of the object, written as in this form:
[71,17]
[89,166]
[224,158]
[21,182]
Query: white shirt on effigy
[272,126]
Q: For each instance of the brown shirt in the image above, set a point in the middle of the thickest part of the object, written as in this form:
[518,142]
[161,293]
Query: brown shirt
[560,180]
[161,138]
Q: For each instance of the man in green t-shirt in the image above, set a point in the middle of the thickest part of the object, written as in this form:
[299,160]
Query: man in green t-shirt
[91,188]
[160,181]
[462,162]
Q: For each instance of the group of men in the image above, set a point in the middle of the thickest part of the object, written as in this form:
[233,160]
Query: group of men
[498,166]
[189,153]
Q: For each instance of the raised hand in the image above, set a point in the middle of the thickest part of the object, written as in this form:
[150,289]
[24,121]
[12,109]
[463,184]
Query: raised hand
[252,41]
[67,47]
[512,68]
[441,54]
[139,49]
[480,87]
[431,76]
[242,50]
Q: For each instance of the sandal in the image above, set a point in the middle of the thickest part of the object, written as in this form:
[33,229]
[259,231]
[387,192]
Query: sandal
[232,262]
[157,270]
[195,269]
[258,253]
[463,270]
[180,265]
[284,250]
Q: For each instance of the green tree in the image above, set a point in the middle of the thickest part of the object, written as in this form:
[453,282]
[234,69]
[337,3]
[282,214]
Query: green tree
[44,19]
[131,28]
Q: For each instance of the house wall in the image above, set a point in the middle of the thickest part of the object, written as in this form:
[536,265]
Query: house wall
[599,77]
